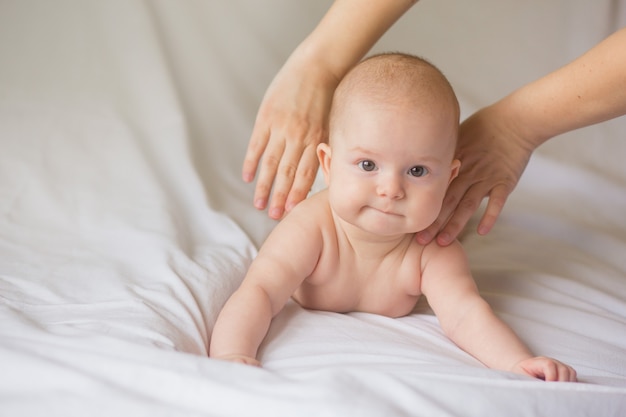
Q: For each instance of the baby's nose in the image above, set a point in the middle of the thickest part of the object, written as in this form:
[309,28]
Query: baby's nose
[390,186]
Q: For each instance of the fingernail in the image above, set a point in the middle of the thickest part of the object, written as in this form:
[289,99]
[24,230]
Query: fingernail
[444,239]
[423,237]
[260,204]
[275,213]
[247,177]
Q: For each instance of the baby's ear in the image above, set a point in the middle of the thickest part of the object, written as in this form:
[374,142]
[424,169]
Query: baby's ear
[324,156]
[454,170]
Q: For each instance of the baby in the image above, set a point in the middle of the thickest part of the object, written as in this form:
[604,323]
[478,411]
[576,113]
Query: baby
[352,247]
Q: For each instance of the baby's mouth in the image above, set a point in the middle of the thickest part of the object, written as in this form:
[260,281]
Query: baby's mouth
[386,211]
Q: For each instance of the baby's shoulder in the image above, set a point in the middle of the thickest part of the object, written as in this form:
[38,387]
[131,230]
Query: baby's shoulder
[313,207]
[304,228]
[311,213]
[451,255]
[433,249]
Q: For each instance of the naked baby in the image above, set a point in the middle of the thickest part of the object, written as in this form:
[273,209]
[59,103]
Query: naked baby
[351,247]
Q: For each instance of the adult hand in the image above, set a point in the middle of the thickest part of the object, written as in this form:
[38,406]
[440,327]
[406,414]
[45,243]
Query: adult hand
[495,144]
[494,153]
[291,122]
[293,116]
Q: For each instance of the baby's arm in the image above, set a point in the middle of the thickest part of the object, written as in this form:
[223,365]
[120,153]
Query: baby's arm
[244,321]
[468,320]
[286,258]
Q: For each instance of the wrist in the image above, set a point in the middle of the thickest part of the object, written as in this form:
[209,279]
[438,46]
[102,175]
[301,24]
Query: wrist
[238,358]
[517,364]
[314,58]
[516,114]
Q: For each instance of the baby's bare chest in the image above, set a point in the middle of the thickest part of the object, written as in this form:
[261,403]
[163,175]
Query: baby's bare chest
[388,288]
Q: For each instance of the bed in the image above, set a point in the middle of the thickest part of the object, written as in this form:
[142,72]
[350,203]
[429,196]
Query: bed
[124,225]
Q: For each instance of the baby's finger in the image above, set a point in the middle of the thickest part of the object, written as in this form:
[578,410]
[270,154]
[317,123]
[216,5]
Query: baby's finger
[566,373]
[550,371]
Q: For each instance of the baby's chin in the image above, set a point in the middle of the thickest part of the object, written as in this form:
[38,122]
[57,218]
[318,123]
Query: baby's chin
[376,223]
[387,229]
[392,223]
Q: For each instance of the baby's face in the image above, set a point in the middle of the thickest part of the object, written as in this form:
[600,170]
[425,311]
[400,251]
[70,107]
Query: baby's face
[391,164]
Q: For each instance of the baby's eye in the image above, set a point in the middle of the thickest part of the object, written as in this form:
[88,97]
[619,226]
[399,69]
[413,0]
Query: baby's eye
[418,171]
[367,165]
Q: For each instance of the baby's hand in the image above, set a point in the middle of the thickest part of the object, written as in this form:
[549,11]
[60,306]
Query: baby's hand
[547,369]
[246,360]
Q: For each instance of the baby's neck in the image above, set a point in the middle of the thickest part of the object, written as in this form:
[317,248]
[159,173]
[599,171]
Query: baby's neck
[371,246]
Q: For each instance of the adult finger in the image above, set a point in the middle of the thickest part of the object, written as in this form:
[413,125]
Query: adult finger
[495,204]
[284,178]
[305,176]
[461,196]
[462,213]
[267,173]
[256,146]
[453,195]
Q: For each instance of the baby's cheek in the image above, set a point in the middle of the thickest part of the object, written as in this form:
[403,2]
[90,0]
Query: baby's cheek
[341,199]
[427,212]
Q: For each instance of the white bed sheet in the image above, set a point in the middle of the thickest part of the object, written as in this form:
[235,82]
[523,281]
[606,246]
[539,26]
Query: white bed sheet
[124,226]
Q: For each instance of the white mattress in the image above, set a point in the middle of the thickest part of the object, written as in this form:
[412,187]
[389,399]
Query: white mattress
[124,225]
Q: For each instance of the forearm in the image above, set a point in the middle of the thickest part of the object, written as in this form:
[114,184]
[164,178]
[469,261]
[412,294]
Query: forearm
[483,335]
[242,324]
[589,90]
[348,31]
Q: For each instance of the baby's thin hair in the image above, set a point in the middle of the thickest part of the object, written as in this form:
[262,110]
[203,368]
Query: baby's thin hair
[394,77]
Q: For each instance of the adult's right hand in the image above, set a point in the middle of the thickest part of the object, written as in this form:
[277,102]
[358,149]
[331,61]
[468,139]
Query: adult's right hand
[291,122]
[293,116]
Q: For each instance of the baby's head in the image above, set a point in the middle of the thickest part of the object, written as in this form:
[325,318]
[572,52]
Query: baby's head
[392,136]
[395,79]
